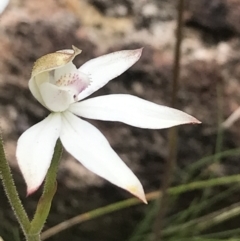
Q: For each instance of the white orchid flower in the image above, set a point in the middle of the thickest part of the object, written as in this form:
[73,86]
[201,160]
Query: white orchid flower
[3,5]
[60,87]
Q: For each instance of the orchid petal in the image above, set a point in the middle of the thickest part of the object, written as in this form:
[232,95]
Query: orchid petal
[132,111]
[34,84]
[35,149]
[104,68]
[68,68]
[55,98]
[73,81]
[87,144]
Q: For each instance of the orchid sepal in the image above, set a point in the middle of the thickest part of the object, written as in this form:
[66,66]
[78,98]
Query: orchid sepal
[54,60]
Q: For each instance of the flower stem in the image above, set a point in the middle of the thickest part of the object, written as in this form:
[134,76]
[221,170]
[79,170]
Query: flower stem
[173,132]
[33,237]
[49,190]
[11,191]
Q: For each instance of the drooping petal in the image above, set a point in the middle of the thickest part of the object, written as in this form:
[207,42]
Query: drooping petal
[87,144]
[3,5]
[35,149]
[132,111]
[104,68]
[54,98]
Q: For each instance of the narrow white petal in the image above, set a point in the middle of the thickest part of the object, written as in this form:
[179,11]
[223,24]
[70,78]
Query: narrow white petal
[35,149]
[104,68]
[55,99]
[132,111]
[87,144]
[3,5]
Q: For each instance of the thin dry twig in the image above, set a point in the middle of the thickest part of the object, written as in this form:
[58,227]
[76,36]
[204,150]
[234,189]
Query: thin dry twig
[231,119]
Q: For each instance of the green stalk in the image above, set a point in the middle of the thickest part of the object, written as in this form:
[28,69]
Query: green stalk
[33,237]
[11,191]
[49,190]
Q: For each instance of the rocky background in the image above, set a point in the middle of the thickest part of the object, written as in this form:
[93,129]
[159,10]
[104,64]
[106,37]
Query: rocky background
[210,61]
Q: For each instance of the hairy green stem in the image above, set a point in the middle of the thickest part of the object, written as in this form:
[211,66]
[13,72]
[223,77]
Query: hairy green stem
[11,191]
[49,190]
[33,237]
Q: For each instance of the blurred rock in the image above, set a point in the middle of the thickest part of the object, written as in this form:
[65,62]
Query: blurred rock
[32,28]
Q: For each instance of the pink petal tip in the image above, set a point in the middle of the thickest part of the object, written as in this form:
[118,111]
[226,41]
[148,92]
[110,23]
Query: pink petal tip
[138,52]
[30,191]
[196,121]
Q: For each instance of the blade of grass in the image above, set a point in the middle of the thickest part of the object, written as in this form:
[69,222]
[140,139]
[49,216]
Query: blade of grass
[206,221]
[133,202]
[187,174]
[145,225]
[191,212]
[185,215]
[223,234]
